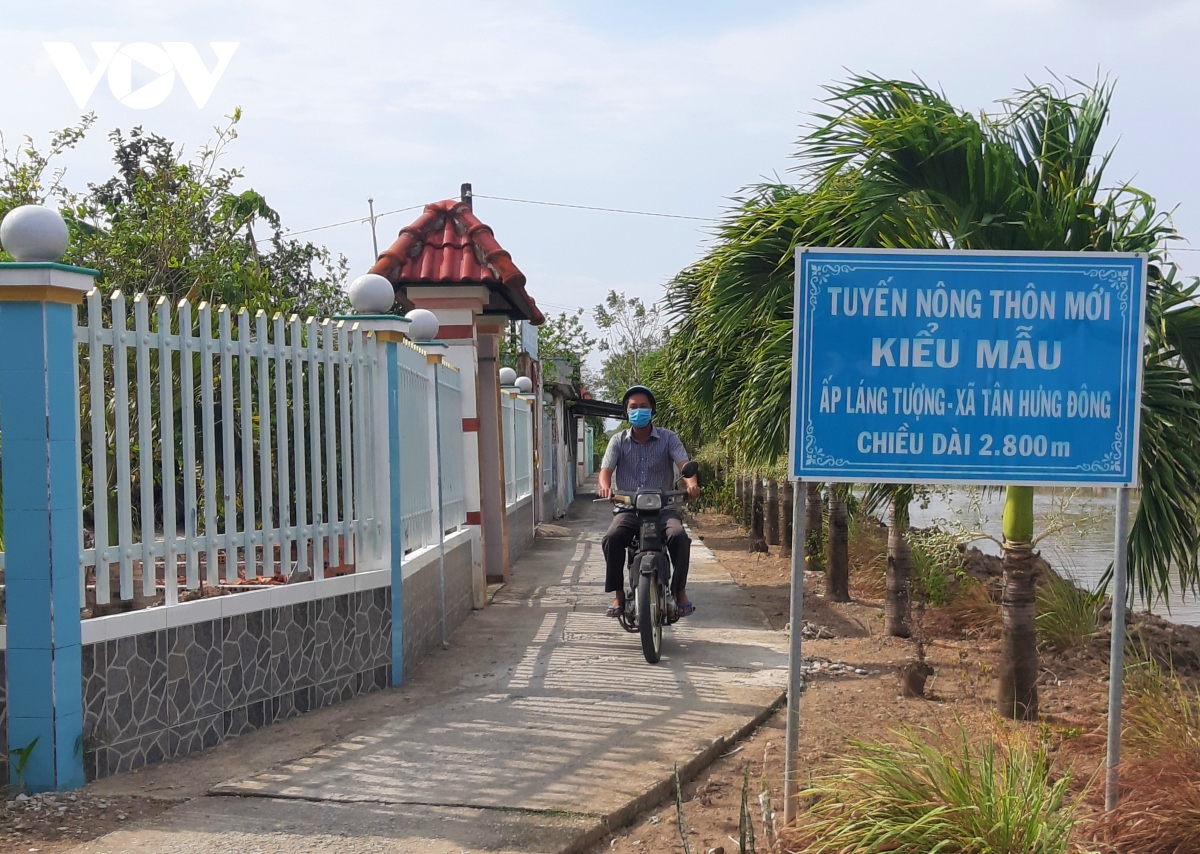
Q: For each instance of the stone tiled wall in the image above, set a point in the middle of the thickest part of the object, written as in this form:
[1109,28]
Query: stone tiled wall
[172,692]
[520,528]
[169,693]
[423,604]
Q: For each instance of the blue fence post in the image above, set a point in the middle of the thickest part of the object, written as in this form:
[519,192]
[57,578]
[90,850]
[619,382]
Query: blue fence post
[42,499]
[371,295]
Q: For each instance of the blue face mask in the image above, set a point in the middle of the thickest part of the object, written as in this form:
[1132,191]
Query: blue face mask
[640,417]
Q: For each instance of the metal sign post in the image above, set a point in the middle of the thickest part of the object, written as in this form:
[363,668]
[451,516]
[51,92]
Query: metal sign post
[1116,653]
[795,658]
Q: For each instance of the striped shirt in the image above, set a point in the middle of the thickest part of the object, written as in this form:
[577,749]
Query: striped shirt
[648,465]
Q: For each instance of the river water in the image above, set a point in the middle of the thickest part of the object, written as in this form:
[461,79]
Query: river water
[1082,552]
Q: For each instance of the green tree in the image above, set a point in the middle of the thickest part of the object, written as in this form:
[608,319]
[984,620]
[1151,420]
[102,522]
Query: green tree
[172,227]
[175,227]
[24,179]
[633,338]
[562,337]
[727,364]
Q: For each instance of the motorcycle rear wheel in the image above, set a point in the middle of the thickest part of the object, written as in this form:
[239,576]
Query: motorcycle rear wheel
[649,611]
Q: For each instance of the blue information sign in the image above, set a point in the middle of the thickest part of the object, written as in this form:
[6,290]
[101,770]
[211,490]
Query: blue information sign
[967,367]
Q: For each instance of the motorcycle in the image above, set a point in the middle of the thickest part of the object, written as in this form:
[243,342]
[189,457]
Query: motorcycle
[651,606]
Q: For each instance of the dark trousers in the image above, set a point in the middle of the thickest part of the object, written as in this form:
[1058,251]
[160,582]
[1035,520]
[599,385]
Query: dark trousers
[620,534]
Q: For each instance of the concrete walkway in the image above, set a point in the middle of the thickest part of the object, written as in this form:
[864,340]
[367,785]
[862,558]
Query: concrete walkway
[541,728]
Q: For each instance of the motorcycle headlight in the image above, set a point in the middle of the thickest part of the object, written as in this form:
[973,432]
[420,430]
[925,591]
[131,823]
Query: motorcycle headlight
[649,501]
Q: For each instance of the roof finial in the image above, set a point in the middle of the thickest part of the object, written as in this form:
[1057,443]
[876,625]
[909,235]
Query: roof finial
[468,196]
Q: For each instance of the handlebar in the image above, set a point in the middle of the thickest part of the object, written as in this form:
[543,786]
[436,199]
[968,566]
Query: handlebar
[627,497]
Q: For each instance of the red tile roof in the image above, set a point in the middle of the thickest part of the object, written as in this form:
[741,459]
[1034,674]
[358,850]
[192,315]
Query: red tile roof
[448,244]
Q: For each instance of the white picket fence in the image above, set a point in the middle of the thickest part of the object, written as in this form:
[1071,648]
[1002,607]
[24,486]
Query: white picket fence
[418,454]
[450,435]
[547,448]
[244,449]
[523,446]
[221,448]
[516,426]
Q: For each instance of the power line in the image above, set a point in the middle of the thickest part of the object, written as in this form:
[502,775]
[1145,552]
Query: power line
[560,306]
[594,208]
[343,222]
[363,219]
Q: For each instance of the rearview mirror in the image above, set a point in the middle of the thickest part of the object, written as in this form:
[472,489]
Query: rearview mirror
[690,469]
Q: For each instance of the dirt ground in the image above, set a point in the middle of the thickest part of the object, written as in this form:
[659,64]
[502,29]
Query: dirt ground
[839,705]
[55,823]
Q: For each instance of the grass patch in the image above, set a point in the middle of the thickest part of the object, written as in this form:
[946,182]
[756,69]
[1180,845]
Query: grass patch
[951,794]
[974,611]
[933,575]
[1067,617]
[1161,712]
[868,556]
[1159,807]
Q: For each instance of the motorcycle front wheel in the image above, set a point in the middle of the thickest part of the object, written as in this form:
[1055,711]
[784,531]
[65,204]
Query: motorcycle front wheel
[649,612]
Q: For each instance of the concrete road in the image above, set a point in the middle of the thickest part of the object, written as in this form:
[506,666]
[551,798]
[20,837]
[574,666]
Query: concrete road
[540,729]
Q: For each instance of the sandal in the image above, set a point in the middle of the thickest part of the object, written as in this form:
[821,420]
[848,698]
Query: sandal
[614,610]
[687,610]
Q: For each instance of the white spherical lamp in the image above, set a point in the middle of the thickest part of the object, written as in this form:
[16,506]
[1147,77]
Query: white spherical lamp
[371,293]
[34,233]
[507,376]
[423,324]
[525,384]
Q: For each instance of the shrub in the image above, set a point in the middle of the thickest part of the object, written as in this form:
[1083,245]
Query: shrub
[868,556]
[933,579]
[1161,714]
[1159,807]
[974,610]
[1067,617]
[996,795]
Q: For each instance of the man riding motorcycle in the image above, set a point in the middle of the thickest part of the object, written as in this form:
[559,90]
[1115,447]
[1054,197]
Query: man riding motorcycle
[644,457]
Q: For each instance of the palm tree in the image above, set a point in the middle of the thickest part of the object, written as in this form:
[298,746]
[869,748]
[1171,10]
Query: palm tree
[727,365]
[898,497]
[927,175]
[814,523]
[837,562]
[899,566]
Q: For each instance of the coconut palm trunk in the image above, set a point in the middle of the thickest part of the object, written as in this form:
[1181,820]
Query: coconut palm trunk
[837,573]
[1017,678]
[899,568]
[814,523]
[758,541]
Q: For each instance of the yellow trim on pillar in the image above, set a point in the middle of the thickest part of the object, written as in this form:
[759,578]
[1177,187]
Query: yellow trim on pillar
[433,358]
[390,336]
[41,293]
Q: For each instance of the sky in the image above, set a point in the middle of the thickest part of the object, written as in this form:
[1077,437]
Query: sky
[669,107]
